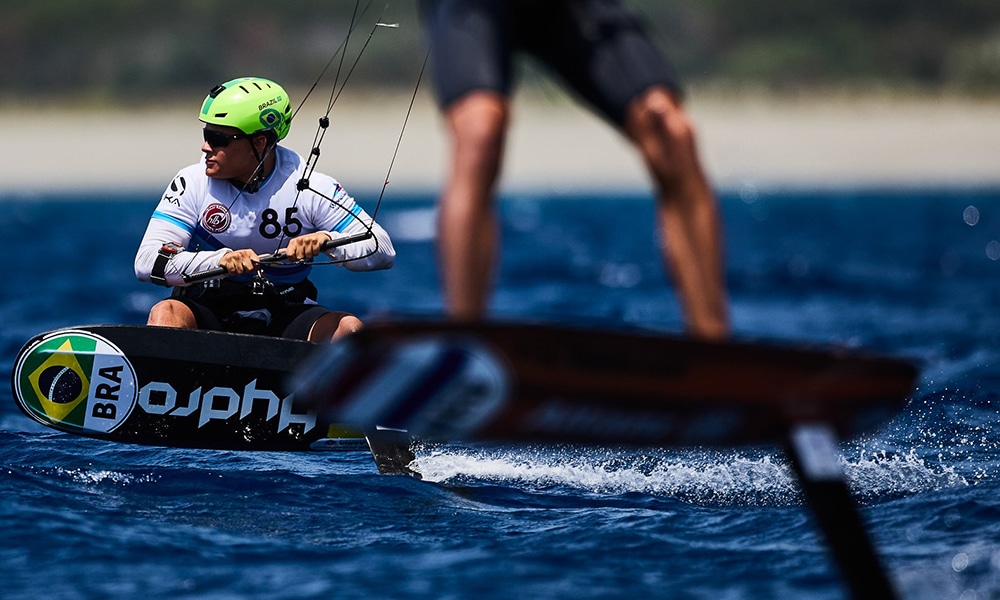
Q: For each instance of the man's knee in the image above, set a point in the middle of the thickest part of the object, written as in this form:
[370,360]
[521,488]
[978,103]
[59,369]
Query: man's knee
[171,313]
[665,136]
[348,325]
[332,326]
[658,113]
[479,119]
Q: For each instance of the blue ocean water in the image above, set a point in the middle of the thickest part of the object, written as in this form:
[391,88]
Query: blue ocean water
[908,273]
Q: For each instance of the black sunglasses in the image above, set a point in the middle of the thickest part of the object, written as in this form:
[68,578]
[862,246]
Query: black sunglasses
[216,139]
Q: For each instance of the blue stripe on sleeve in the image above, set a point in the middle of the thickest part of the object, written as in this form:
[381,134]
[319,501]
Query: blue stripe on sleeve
[342,225]
[173,221]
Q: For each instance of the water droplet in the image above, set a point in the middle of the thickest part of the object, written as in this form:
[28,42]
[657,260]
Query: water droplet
[960,562]
[993,250]
[749,193]
[970,215]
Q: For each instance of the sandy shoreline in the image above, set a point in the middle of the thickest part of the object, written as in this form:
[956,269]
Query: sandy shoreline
[760,141]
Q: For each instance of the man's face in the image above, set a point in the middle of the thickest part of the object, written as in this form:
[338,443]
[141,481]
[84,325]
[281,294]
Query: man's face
[228,153]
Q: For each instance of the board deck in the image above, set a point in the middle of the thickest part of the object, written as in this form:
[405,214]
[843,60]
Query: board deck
[523,382]
[172,387]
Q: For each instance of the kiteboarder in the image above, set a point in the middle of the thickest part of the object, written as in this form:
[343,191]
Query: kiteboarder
[249,197]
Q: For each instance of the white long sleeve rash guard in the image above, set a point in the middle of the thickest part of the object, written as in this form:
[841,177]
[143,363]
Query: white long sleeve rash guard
[209,217]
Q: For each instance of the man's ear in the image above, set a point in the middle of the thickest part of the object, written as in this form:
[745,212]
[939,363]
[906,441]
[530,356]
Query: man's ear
[259,143]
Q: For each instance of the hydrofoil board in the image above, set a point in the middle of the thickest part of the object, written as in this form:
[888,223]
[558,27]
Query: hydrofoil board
[524,382]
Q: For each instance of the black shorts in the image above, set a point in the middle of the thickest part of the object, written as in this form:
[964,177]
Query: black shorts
[598,47]
[283,311]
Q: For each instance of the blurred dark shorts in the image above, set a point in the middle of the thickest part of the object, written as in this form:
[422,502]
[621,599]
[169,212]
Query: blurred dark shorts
[599,48]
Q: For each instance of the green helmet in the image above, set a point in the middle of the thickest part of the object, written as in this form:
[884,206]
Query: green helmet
[250,104]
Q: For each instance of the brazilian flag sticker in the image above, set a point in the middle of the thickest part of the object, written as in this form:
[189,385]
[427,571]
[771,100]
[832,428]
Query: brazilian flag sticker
[75,381]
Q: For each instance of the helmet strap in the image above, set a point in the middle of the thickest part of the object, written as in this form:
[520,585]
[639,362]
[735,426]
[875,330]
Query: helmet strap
[258,176]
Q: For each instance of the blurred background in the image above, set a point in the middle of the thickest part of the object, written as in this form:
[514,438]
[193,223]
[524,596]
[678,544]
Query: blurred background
[826,92]
[112,50]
